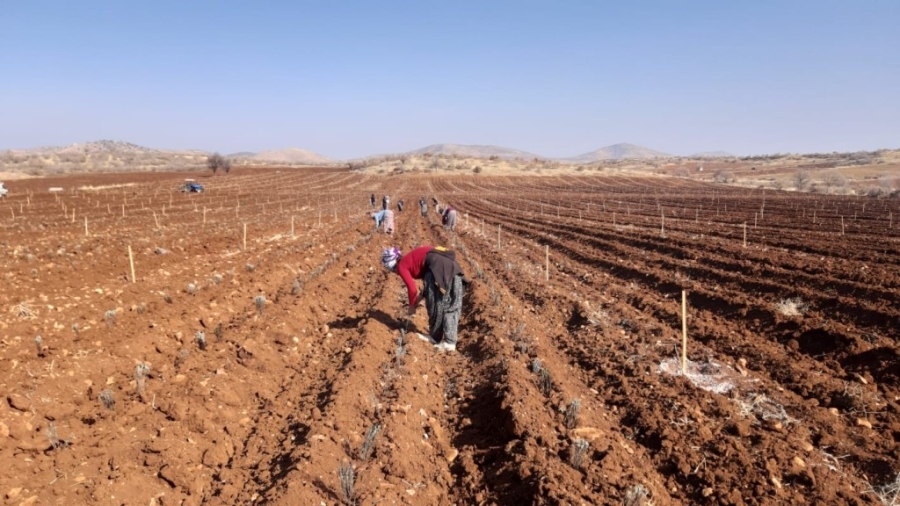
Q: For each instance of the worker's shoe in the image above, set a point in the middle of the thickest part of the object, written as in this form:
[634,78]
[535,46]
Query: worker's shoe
[442,346]
[425,338]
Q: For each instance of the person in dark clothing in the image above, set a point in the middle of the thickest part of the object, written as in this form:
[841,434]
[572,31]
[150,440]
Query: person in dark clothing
[385,202]
[443,289]
[423,204]
[372,200]
[400,205]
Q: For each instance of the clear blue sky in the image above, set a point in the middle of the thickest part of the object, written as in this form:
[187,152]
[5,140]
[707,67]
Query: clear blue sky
[350,79]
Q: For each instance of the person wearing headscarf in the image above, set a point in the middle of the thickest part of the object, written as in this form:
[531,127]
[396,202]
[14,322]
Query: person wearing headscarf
[443,287]
[449,217]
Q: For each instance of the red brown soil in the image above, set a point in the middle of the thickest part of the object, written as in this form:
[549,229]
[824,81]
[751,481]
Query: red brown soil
[284,393]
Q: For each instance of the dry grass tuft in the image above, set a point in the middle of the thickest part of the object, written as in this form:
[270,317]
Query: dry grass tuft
[791,307]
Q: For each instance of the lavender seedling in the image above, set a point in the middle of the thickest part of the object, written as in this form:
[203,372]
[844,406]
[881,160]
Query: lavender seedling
[572,414]
[77,331]
[536,366]
[55,442]
[577,452]
[636,495]
[260,302]
[39,346]
[140,377]
[200,337]
[545,382]
[110,317]
[369,442]
[297,287]
[219,332]
[348,479]
[191,289]
[217,279]
[107,399]
[182,356]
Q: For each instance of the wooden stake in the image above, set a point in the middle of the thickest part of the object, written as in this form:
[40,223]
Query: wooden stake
[498,237]
[320,218]
[108,210]
[662,223]
[754,219]
[245,237]
[85,227]
[73,215]
[684,332]
[292,226]
[204,215]
[745,234]
[123,210]
[547,262]
[842,225]
[156,219]
[131,262]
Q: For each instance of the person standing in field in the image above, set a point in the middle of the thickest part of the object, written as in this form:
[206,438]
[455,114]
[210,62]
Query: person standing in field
[443,289]
[372,200]
[424,205]
[385,202]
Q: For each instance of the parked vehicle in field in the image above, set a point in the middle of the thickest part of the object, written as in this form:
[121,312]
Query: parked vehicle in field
[191,187]
[3,191]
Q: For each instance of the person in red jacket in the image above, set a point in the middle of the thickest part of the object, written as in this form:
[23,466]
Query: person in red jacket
[443,289]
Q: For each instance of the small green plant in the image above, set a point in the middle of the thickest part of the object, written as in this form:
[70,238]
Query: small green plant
[369,442]
[572,414]
[577,452]
[347,478]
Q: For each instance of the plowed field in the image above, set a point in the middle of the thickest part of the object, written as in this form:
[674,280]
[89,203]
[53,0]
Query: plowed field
[251,369]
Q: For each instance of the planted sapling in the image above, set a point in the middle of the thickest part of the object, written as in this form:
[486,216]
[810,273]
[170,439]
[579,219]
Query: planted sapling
[200,337]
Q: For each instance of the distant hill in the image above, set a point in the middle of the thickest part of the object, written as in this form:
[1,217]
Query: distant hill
[241,154]
[290,155]
[473,151]
[621,151]
[712,154]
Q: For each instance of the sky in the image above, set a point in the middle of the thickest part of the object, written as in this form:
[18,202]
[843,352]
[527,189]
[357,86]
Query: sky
[350,79]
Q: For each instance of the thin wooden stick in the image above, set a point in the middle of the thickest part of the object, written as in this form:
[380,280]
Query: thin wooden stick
[156,219]
[546,262]
[292,226]
[245,237]
[684,332]
[745,234]
[85,227]
[131,262]
[498,237]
